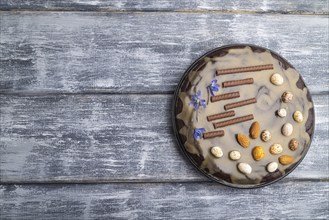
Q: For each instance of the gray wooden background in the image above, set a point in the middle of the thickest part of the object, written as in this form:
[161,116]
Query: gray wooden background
[85,102]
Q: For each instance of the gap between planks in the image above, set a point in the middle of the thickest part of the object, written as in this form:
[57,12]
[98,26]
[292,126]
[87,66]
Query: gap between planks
[23,93]
[137,11]
[144,181]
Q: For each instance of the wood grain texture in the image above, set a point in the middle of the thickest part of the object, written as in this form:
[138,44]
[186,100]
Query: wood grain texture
[110,138]
[127,139]
[284,200]
[143,52]
[278,6]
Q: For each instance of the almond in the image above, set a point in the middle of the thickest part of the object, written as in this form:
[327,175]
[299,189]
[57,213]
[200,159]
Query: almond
[243,140]
[258,153]
[254,130]
[285,159]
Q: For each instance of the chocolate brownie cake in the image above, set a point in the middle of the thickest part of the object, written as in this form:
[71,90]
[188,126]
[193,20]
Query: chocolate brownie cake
[243,116]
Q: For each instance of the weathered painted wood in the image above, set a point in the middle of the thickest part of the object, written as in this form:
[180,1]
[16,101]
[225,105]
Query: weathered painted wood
[281,6]
[283,200]
[143,52]
[95,138]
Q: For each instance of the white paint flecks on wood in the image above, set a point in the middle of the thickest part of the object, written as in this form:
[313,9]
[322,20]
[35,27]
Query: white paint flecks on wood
[278,6]
[94,138]
[143,52]
[282,200]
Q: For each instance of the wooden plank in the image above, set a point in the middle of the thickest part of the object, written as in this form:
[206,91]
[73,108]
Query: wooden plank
[284,200]
[109,138]
[279,6]
[143,52]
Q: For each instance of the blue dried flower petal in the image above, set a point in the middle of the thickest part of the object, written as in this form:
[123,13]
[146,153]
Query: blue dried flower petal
[213,87]
[196,101]
[198,133]
[211,92]
[196,105]
[199,94]
[202,102]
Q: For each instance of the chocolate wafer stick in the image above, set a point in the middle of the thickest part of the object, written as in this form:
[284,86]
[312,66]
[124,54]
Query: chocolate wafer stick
[225,96]
[245,69]
[221,115]
[213,134]
[238,82]
[240,103]
[233,121]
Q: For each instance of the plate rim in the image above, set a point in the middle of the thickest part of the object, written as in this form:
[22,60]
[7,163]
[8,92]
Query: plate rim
[181,145]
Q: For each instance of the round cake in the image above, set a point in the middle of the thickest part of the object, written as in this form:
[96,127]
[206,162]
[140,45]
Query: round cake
[243,116]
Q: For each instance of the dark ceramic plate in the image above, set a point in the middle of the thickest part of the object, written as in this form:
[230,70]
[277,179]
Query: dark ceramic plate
[185,118]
